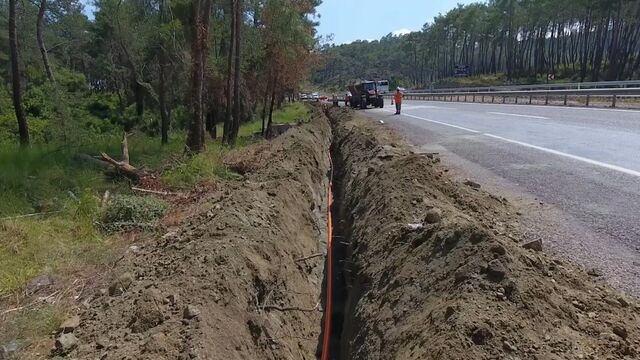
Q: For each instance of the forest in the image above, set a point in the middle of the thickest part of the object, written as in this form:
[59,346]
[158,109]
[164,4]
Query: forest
[153,66]
[500,42]
[110,114]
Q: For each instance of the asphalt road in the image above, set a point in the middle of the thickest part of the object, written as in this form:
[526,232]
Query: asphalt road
[574,172]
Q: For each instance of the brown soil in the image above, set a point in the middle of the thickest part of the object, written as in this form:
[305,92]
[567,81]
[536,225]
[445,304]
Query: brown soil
[223,280]
[431,268]
[435,269]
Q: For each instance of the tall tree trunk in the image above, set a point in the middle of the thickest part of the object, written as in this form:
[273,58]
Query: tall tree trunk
[226,136]
[162,98]
[236,74]
[201,13]
[264,105]
[23,127]
[43,48]
[273,102]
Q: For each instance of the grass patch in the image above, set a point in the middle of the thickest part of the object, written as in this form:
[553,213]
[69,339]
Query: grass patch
[132,212]
[37,323]
[46,178]
[209,164]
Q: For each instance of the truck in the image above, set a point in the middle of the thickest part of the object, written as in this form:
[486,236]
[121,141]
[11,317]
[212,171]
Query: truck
[365,93]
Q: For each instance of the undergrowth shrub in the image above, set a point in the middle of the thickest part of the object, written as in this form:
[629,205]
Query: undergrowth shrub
[125,212]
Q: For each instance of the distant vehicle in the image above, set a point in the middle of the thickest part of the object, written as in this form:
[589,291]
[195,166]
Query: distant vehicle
[315,96]
[365,93]
[383,86]
[304,96]
[462,71]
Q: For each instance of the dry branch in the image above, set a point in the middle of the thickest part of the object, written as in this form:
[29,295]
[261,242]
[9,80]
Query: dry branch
[309,257]
[123,167]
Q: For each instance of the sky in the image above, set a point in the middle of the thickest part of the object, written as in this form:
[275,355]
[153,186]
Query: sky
[350,20]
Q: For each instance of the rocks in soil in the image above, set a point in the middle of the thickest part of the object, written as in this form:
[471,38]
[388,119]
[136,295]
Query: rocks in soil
[66,342]
[481,335]
[190,312]
[623,301]
[620,331]
[121,284]
[39,282]
[414,227]
[595,272]
[69,324]
[474,185]
[8,350]
[433,216]
[147,312]
[498,249]
[535,245]
[495,270]
[509,347]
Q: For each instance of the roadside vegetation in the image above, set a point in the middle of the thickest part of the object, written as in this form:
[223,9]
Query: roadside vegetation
[498,43]
[55,224]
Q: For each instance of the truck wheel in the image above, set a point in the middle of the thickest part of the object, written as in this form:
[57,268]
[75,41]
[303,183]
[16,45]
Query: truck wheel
[381,102]
[363,103]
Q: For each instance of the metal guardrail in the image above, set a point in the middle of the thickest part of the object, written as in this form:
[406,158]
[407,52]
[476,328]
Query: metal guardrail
[503,95]
[553,86]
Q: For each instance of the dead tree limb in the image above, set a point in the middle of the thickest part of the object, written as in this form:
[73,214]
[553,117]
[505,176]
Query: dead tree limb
[123,167]
[309,257]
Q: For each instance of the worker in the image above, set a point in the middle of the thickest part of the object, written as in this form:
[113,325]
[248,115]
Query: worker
[397,98]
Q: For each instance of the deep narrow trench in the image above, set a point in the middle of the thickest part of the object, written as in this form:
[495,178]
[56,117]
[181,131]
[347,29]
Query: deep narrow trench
[342,265]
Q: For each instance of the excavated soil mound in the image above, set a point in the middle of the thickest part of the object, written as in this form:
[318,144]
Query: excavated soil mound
[435,270]
[228,282]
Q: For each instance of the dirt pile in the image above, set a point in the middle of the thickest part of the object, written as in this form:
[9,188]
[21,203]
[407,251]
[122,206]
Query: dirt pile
[228,281]
[434,269]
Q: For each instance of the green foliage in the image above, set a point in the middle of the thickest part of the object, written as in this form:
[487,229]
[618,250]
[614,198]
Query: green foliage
[30,325]
[199,167]
[522,40]
[129,211]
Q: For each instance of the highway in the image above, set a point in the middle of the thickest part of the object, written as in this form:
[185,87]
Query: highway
[573,172]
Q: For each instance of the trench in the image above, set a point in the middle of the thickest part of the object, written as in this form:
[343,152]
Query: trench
[343,298]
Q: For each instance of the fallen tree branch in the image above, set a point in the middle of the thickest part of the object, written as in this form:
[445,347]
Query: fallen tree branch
[283,309]
[309,257]
[165,193]
[30,215]
[123,167]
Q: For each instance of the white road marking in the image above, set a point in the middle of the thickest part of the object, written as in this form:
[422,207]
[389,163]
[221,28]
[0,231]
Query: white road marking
[519,115]
[443,123]
[538,106]
[415,107]
[536,147]
[574,157]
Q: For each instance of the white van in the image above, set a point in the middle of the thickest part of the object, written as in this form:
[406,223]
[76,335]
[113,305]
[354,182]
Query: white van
[383,86]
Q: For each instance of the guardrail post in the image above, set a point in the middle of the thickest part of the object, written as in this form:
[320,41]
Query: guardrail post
[588,97]
[465,98]
[504,99]
[614,100]
[474,98]
[565,99]
[530,99]
[546,99]
[482,98]
[492,99]
[516,99]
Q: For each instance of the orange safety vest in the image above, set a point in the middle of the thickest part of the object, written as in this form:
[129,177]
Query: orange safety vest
[397,97]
